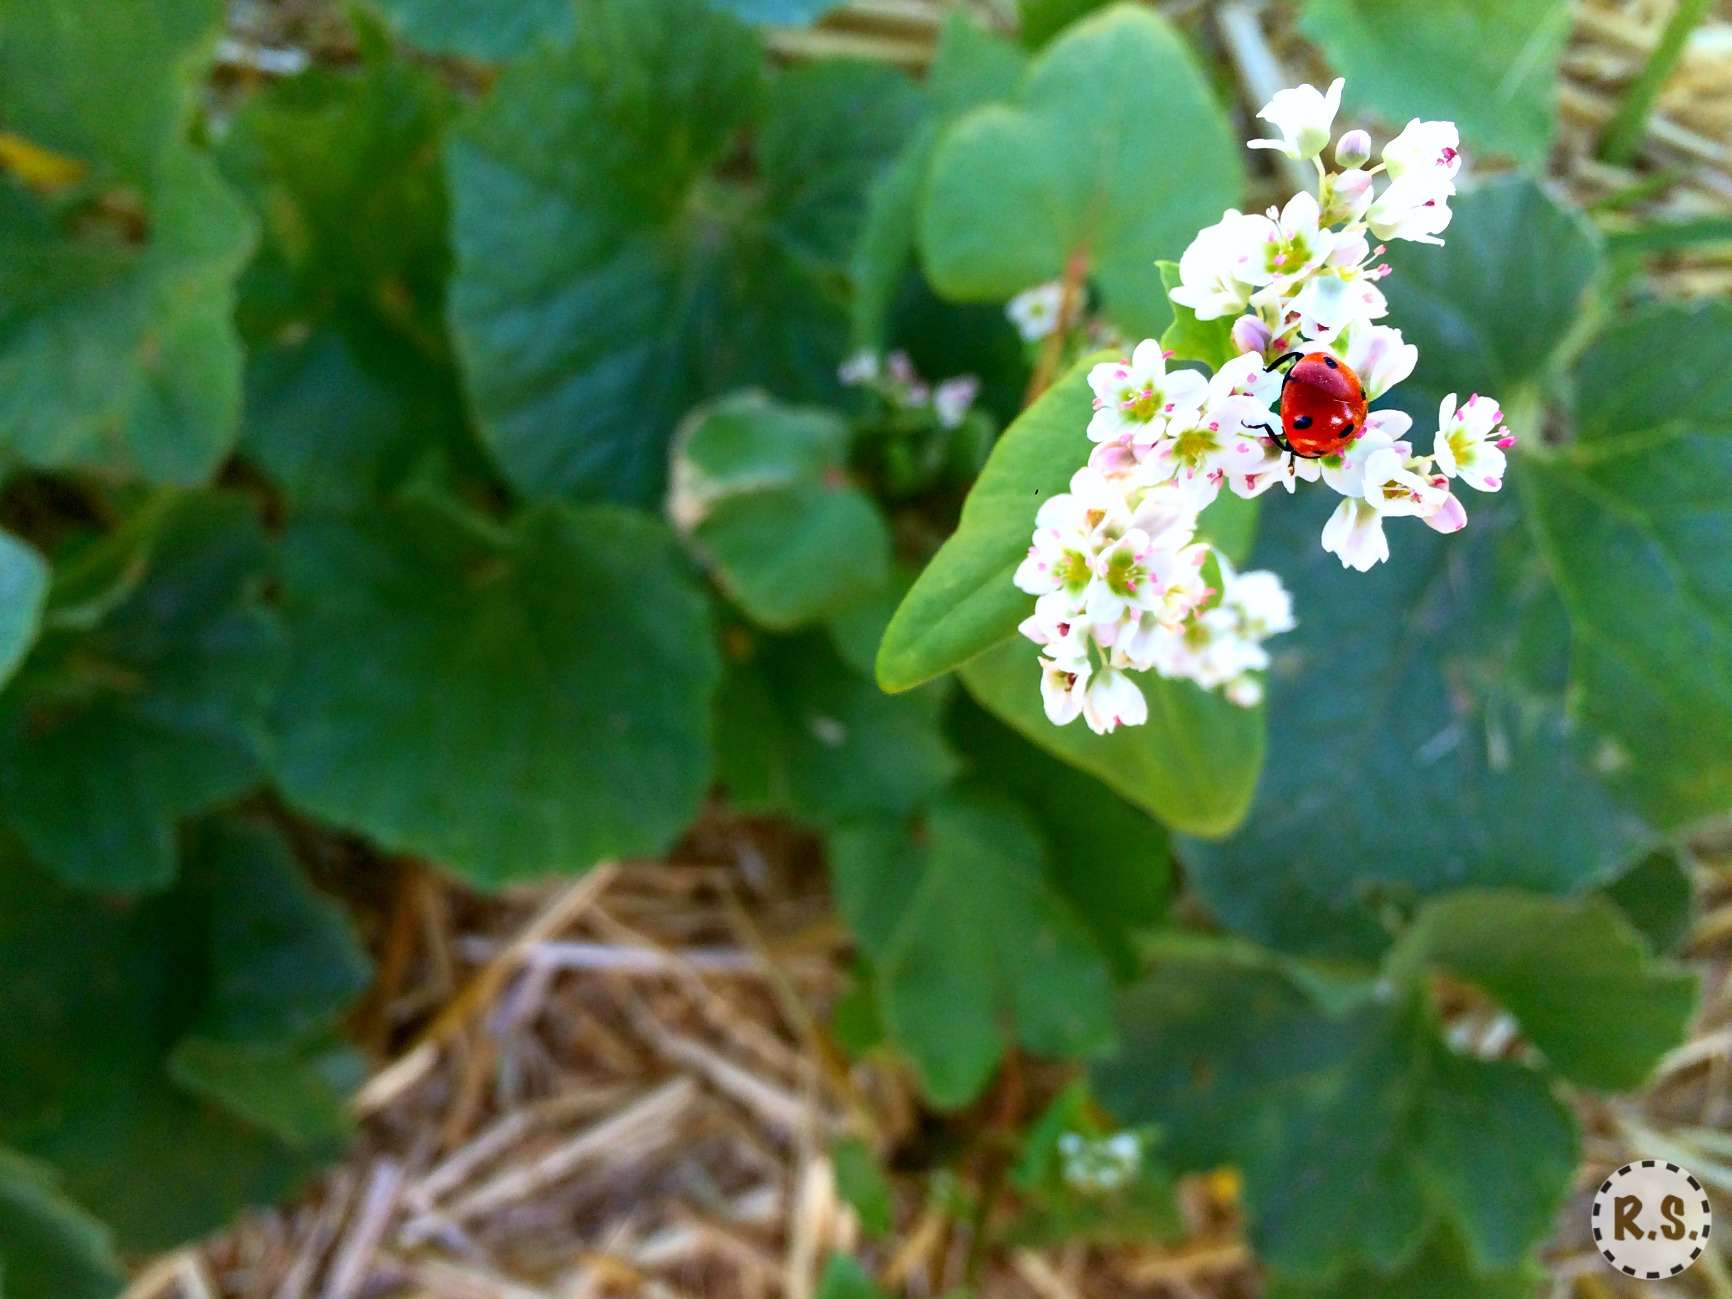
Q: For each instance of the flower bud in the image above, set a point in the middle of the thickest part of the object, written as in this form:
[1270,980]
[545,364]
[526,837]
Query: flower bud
[1250,334]
[1349,194]
[1353,149]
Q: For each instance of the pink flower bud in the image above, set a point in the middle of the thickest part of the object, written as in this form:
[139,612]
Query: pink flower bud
[1353,149]
[1250,334]
[1352,191]
[1449,516]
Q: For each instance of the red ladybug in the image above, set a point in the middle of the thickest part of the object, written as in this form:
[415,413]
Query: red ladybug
[1322,405]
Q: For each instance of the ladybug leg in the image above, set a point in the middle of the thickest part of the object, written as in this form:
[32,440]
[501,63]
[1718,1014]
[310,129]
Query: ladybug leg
[1287,358]
[1279,438]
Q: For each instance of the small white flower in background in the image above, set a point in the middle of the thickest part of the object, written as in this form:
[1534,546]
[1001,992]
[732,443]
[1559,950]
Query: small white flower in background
[1100,1165]
[1305,117]
[953,399]
[895,379]
[1114,562]
[1035,311]
[858,370]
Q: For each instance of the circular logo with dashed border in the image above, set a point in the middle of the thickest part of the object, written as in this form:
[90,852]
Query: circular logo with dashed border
[1651,1219]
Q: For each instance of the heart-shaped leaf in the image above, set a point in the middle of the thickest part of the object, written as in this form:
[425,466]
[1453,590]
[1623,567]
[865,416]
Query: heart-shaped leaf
[94,999]
[1572,972]
[1062,179]
[1359,1132]
[800,733]
[762,491]
[1489,65]
[1409,754]
[165,697]
[1636,529]
[598,298]
[50,1248]
[971,947]
[1194,763]
[507,701]
[116,340]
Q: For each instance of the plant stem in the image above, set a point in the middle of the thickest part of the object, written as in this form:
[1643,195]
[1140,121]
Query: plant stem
[1625,132]
[1069,309]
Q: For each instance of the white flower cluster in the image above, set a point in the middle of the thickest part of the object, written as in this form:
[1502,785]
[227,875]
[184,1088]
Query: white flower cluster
[1115,566]
[1118,576]
[1304,278]
[1100,1165]
[895,379]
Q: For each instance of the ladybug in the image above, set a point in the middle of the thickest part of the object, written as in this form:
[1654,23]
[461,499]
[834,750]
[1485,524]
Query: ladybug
[1322,405]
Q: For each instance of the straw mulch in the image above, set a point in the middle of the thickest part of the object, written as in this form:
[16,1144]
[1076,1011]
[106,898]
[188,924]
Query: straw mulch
[623,1085]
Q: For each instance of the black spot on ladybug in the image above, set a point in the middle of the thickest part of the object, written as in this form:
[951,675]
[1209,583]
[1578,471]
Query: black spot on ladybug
[1347,431]
[1303,421]
[1330,362]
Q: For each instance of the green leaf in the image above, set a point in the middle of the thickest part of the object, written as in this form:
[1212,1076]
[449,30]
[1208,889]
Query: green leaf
[1410,751]
[272,1085]
[1656,897]
[1190,339]
[1488,65]
[350,386]
[481,29]
[608,278]
[1193,764]
[94,998]
[863,1185]
[1490,310]
[1635,526]
[800,734]
[118,354]
[970,944]
[1357,1131]
[343,170]
[507,701]
[1110,860]
[965,601]
[781,12]
[107,84]
[116,345]
[164,699]
[970,67]
[1017,192]
[284,961]
[50,1248]
[1044,19]
[843,1278]
[1442,1268]
[762,491]
[1665,363]
[23,593]
[1571,971]
[348,413]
